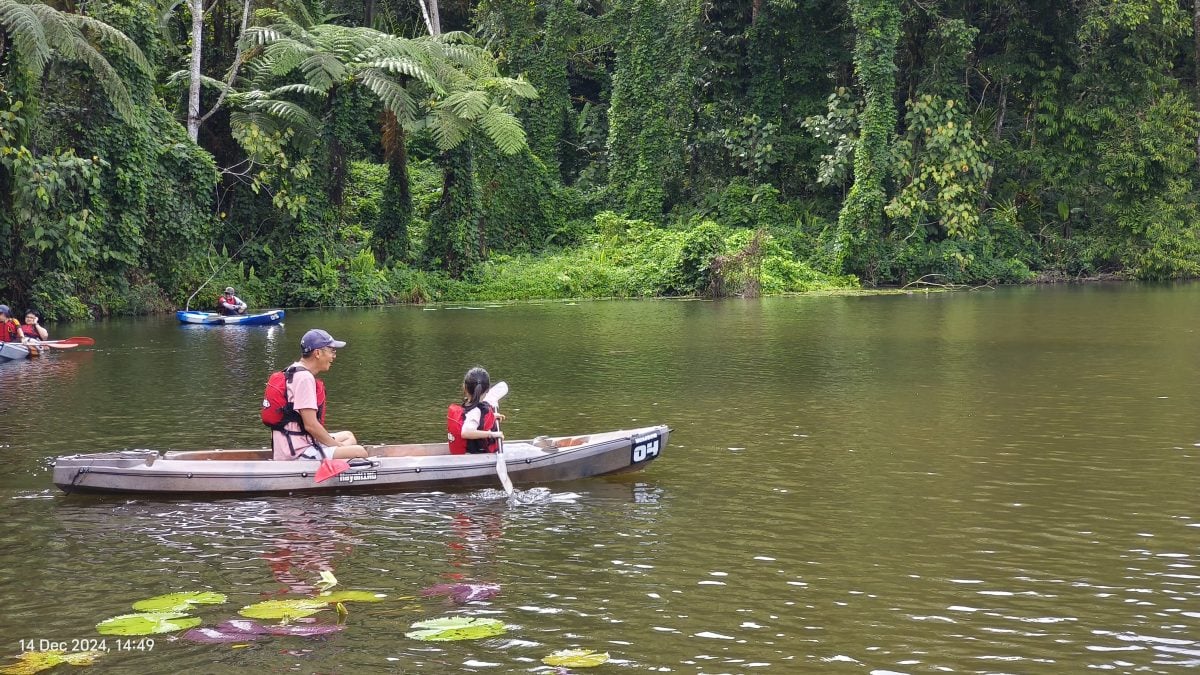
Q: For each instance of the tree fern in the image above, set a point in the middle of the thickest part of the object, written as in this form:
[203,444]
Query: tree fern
[40,32]
[24,28]
[503,129]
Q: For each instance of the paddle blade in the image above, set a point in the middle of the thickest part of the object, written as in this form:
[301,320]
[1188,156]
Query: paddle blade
[330,468]
[81,341]
[502,471]
[59,345]
[497,392]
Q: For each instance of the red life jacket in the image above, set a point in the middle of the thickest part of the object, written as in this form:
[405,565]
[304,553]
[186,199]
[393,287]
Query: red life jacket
[30,331]
[10,331]
[456,414]
[278,410]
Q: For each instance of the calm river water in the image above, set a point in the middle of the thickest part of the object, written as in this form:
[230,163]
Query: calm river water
[985,482]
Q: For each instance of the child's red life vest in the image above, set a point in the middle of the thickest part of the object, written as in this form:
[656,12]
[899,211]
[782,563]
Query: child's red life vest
[456,414]
[277,409]
[10,331]
[29,331]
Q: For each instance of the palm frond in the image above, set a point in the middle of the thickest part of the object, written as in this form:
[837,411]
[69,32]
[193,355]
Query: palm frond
[28,37]
[322,70]
[280,58]
[298,88]
[61,35]
[296,117]
[257,36]
[449,130]
[112,36]
[504,129]
[408,68]
[468,104]
[110,81]
[395,98]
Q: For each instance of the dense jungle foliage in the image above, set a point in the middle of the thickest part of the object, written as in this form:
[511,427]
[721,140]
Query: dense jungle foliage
[314,152]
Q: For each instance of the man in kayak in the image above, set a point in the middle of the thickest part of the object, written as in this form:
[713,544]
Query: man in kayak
[230,304]
[294,405]
[10,328]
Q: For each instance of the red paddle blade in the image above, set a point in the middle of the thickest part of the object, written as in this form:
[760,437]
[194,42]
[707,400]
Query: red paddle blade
[82,341]
[330,468]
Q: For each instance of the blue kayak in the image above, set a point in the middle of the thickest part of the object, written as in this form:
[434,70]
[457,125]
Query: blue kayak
[267,318]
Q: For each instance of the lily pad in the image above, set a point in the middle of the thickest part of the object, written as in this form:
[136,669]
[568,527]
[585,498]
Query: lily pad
[456,628]
[212,636]
[242,630]
[178,602]
[283,609]
[34,662]
[463,593]
[351,596]
[147,623]
[576,658]
[242,626]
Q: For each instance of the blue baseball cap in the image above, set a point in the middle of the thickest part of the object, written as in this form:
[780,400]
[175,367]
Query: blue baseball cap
[5,310]
[318,339]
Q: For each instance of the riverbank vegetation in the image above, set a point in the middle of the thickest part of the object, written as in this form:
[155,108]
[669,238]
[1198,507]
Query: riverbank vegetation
[343,152]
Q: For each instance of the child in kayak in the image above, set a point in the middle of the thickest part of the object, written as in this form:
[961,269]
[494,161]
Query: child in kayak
[473,427]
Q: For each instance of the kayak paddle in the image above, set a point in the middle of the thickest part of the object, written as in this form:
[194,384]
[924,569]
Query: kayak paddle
[493,397]
[68,343]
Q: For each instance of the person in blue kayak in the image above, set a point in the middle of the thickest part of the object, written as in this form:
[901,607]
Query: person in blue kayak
[294,405]
[10,328]
[230,304]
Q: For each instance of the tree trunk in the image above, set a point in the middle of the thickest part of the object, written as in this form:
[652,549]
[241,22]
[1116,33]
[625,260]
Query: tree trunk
[1196,61]
[390,237]
[755,10]
[193,114]
[429,11]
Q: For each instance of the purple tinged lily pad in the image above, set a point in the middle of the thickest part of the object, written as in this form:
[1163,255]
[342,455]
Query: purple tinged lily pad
[212,636]
[242,626]
[240,630]
[463,593]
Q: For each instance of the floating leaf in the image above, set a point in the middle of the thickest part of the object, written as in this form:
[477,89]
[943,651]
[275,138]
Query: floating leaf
[34,662]
[283,609]
[576,658]
[147,623]
[178,602]
[242,626]
[351,596]
[342,612]
[463,593]
[241,630]
[456,628]
[212,636]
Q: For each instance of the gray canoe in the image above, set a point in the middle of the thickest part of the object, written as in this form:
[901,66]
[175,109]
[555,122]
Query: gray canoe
[12,351]
[428,466]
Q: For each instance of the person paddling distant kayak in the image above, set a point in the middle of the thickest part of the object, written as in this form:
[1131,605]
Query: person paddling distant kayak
[230,304]
[294,405]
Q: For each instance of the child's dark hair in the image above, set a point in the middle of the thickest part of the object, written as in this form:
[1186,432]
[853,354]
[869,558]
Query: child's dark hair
[476,382]
[33,312]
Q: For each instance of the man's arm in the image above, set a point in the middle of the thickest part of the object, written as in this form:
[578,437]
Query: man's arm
[314,428]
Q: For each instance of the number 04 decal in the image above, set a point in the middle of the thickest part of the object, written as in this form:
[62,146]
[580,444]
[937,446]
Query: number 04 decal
[646,448]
